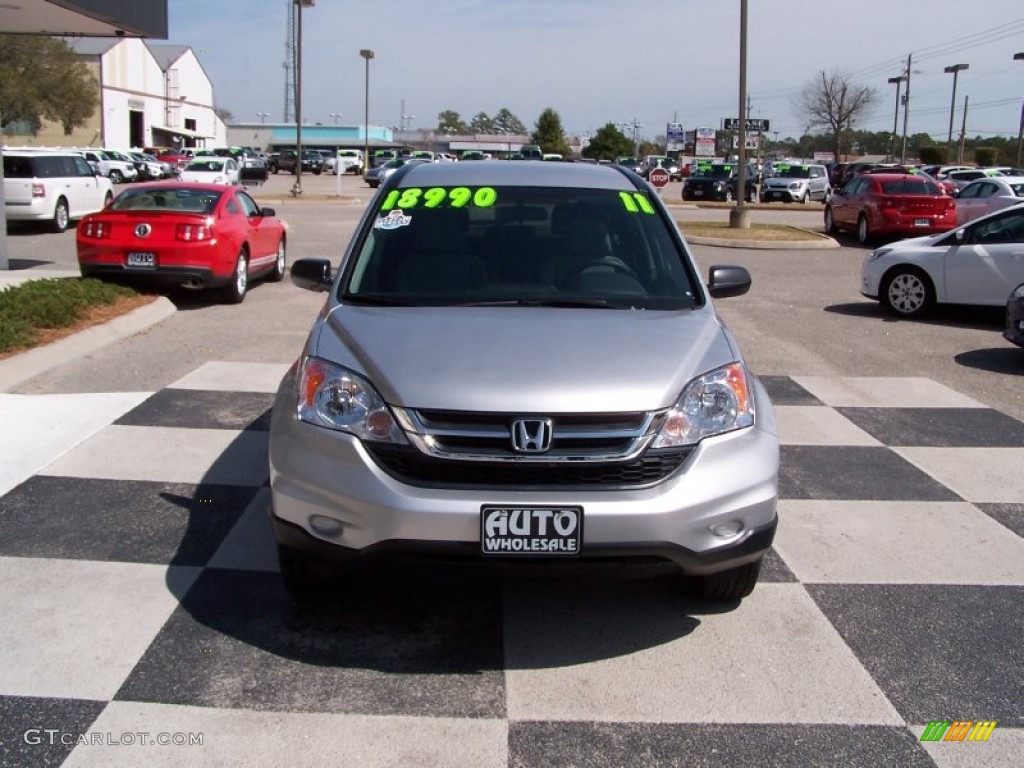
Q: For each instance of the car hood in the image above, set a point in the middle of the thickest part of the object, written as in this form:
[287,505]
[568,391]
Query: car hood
[525,359]
[782,181]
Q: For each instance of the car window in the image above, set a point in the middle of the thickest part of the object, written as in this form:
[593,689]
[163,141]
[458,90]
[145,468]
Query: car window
[970,191]
[18,167]
[1008,228]
[249,205]
[172,199]
[909,187]
[987,189]
[1018,189]
[82,168]
[520,244]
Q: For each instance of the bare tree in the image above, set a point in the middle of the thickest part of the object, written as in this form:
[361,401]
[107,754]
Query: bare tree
[832,101]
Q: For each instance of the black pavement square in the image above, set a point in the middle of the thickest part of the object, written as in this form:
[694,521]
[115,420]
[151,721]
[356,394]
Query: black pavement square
[938,652]
[1010,515]
[202,409]
[694,745]
[395,642]
[41,731]
[784,391]
[122,520]
[938,427]
[854,472]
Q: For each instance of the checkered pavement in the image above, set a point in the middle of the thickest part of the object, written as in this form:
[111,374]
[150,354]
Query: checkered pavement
[140,598]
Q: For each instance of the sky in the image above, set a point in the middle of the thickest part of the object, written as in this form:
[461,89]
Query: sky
[599,61]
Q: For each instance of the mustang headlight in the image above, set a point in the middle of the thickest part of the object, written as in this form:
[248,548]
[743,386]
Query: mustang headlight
[719,401]
[336,398]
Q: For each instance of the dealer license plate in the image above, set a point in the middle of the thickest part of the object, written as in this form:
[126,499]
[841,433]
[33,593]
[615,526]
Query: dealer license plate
[141,260]
[533,531]
[921,222]
[698,193]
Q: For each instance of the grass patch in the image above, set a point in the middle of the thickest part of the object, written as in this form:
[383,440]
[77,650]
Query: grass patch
[756,232]
[40,310]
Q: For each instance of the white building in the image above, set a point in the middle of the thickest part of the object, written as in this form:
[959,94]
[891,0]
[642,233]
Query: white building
[150,95]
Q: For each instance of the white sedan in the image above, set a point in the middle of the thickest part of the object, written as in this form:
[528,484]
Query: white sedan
[211,169]
[979,263]
[985,196]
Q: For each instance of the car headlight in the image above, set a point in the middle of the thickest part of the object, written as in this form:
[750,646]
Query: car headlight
[879,253]
[1018,292]
[717,402]
[795,185]
[336,398]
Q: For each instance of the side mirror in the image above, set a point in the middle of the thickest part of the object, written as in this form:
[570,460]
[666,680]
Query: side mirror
[312,274]
[726,280]
[268,212]
[960,235]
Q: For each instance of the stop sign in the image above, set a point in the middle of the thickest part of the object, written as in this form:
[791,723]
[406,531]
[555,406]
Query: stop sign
[658,177]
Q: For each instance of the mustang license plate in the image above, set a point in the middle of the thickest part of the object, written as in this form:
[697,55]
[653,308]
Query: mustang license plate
[531,530]
[143,260]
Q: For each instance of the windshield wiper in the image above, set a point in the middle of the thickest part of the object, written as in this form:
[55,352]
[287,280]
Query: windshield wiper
[585,303]
[375,299]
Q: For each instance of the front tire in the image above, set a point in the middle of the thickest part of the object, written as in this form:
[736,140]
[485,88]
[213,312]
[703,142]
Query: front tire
[61,216]
[108,199]
[907,292]
[805,198]
[830,224]
[731,585]
[863,230]
[116,177]
[279,264]
[235,290]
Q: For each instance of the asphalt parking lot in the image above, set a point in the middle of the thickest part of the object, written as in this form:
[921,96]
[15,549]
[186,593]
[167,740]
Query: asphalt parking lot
[136,557]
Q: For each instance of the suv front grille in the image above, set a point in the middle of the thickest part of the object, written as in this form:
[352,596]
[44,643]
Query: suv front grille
[410,466]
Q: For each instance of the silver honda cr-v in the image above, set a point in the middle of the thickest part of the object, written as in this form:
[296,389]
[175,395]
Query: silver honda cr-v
[521,361]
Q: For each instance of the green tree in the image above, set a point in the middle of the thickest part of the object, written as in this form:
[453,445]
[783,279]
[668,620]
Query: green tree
[833,101]
[41,77]
[450,121]
[608,143]
[549,134]
[506,122]
[481,123]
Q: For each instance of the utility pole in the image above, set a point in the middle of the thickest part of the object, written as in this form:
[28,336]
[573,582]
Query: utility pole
[738,216]
[906,111]
[963,133]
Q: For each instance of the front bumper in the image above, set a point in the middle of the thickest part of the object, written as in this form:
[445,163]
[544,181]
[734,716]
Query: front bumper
[320,472]
[785,194]
[199,265]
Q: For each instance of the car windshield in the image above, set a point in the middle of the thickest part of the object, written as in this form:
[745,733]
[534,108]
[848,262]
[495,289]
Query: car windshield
[170,199]
[209,165]
[520,246]
[910,187]
[793,171]
[714,172]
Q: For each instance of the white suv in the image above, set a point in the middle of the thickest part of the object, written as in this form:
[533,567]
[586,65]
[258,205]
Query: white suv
[111,166]
[52,186]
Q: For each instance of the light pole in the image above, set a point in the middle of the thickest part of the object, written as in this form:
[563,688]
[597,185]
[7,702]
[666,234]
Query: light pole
[896,114]
[1020,130]
[738,218]
[297,188]
[335,115]
[955,70]
[367,54]
[635,127]
[263,116]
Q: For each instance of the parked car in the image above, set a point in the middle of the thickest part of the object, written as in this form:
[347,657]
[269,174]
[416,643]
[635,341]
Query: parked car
[347,160]
[797,184]
[379,174]
[851,170]
[148,167]
[962,178]
[170,233]
[211,170]
[661,161]
[940,171]
[287,160]
[409,422]
[984,196]
[718,181]
[1015,316]
[874,204]
[979,264]
[632,163]
[51,187]
[106,164]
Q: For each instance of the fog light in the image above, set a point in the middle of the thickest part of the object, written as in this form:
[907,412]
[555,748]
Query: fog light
[727,530]
[325,526]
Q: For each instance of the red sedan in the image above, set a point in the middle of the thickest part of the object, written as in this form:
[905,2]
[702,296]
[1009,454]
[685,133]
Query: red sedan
[188,235]
[890,204]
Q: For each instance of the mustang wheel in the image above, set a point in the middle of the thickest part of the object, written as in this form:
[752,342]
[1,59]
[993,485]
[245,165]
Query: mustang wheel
[863,230]
[279,265]
[234,291]
[907,292]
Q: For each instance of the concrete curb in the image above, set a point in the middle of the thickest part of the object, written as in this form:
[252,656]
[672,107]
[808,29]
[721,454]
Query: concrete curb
[22,367]
[822,242]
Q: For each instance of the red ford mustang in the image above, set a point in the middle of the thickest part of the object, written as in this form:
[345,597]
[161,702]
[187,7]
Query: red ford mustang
[890,204]
[190,235]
